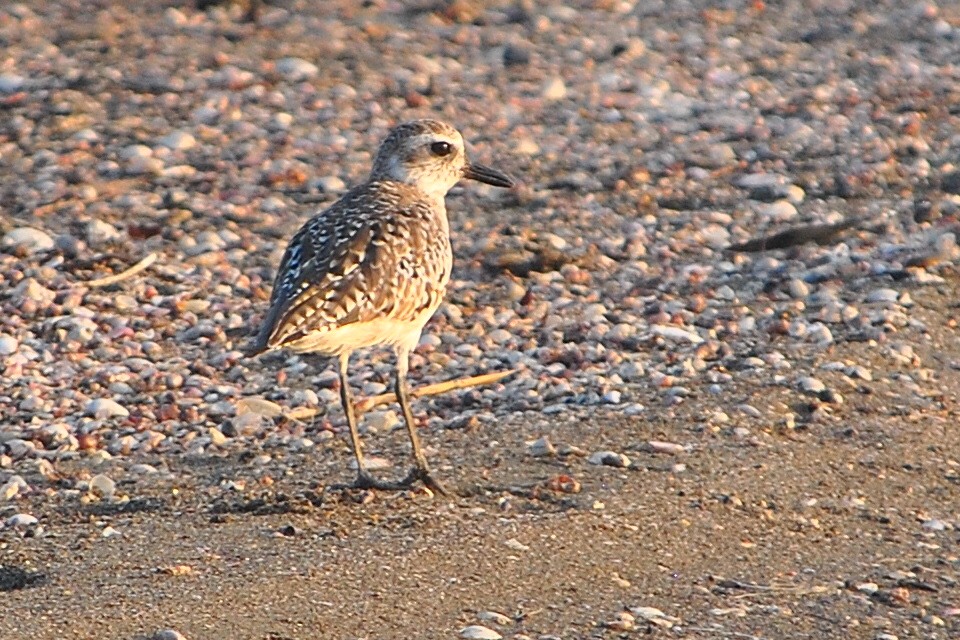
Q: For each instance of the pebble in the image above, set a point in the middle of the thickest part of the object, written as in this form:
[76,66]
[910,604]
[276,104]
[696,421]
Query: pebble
[296,69]
[21,520]
[889,296]
[494,617]
[178,141]
[809,384]
[13,487]
[8,344]
[554,89]
[29,239]
[102,408]
[609,458]
[259,406]
[168,634]
[676,333]
[100,232]
[11,83]
[541,447]
[671,448]
[103,486]
[479,632]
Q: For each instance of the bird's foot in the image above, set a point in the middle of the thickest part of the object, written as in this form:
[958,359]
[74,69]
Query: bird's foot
[424,475]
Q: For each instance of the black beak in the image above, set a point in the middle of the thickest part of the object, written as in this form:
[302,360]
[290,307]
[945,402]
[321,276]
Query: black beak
[488,175]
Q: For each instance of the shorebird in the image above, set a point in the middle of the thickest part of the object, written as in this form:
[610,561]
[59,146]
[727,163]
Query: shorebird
[373,268]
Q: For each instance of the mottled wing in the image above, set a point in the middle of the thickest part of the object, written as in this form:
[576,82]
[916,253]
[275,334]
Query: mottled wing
[354,265]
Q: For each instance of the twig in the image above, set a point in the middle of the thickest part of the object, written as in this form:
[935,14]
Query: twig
[365,404]
[148,260]
[433,389]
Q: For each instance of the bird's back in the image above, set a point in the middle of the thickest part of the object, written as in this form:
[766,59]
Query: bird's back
[373,264]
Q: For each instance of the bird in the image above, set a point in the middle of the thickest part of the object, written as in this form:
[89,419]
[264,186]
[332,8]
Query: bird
[371,270]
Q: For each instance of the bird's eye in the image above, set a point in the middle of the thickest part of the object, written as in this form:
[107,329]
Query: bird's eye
[441,148]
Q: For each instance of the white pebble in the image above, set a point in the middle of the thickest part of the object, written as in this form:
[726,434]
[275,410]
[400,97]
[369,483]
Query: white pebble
[809,384]
[33,240]
[100,232]
[541,447]
[554,89]
[21,520]
[676,333]
[495,617]
[8,345]
[178,140]
[296,69]
[102,408]
[103,486]
[479,632]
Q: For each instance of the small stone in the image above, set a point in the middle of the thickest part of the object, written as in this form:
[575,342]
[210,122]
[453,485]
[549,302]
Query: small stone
[624,621]
[655,616]
[676,333]
[381,421]
[259,406]
[8,345]
[798,288]
[885,295]
[217,437]
[554,89]
[330,184]
[143,469]
[178,141]
[779,211]
[296,69]
[495,617]
[935,524]
[612,397]
[168,634]
[541,447]
[514,56]
[29,239]
[11,83]
[103,486]
[100,232]
[479,632]
[808,384]
[21,520]
[109,532]
[516,545]
[671,448]
[103,408]
[13,487]
[609,459]
[868,588]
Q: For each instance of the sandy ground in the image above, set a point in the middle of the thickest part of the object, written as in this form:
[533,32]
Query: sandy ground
[808,533]
[750,509]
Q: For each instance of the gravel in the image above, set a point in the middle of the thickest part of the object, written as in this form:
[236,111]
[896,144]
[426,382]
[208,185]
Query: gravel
[648,137]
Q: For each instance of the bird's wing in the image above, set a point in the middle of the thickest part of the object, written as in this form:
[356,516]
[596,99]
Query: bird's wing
[339,269]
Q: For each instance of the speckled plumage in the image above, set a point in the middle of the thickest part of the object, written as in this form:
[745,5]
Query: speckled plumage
[372,268]
[381,252]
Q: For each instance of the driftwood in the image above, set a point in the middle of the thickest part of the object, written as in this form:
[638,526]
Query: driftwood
[365,404]
[148,260]
[819,233]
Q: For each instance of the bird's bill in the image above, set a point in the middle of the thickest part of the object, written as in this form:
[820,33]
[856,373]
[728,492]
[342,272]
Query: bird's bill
[489,176]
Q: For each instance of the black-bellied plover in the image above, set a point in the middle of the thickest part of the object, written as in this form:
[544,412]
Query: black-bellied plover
[372,269]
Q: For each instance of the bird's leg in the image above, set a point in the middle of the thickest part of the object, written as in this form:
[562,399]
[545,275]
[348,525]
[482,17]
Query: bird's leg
[364,479]
[420,471]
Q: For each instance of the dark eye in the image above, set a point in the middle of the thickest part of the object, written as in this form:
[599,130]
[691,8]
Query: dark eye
[441,148]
